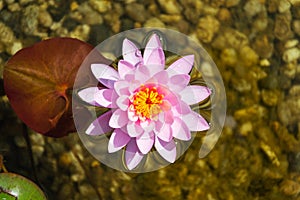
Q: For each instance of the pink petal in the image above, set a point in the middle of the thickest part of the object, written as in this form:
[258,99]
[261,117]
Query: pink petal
[122,88]
[161,77]
[194,94]
[154,54]
[124,67]
[178,82]
[106,98]
[131,53]
[142,73]
[180,130]
[117,141]
[165,133]
[132,155]
[165,106]
[145,142]
[133,85]
[134,129]
[131,114]
[118,119]
[129,76]
[159,123]
[123,102]
[105,74]
[100,125]
[88,95]
[182,65]
[147,125]
[195,122]
[182,108]
[168,117]
[171,97]
[166,149]
[155,68]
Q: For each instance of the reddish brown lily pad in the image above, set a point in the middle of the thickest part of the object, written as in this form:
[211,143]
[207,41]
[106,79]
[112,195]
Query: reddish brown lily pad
[38,81]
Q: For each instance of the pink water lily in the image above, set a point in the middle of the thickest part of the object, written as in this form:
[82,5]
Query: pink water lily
[149,105]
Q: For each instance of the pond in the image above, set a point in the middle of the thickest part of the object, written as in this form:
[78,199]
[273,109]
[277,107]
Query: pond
[254,46]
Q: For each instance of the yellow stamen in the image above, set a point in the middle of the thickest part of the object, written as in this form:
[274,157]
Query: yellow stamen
[147,102]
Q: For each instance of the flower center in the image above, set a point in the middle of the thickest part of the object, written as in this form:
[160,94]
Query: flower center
[147,101]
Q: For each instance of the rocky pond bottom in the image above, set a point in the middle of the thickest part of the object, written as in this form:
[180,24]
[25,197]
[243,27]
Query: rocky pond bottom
[255,45]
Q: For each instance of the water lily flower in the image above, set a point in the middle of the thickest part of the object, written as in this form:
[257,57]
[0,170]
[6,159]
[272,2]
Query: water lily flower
[149,105]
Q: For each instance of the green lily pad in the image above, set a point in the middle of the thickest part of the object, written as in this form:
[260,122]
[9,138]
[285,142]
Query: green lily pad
[13,186]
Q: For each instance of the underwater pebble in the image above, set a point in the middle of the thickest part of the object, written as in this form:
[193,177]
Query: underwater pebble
[264,63]
[14,7]
[269,97]
[137,12]
[9,1]
[249,113]
[245,128]
[87,191]
[207,27]
[170,18]
[66,191]
[38,151]
[224,15]
[271,154]
[81,32]
[229,56]
[289,70]
[20,141]
[65,160]
[113,20]
[289,110]
[101,6]
[77,173]
[87,15]
[29,20]
[283,6]
[296,26]
[241,85]
[207,69]
[253,7]
[14,48]
[291,43]
[209,10]
[258,73]
[192,10]
[294,2]
[45,18]
[54,146]
[291,54]
[24,2]
[230,38]
[241,177]
[170,6]
[290,187]
[154,22]
[282,29]
[295,90]
[248,56]
[284,113]
[288,139]
[260,23]
[231,3]
[263,46]
[6,34]
[214,159]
